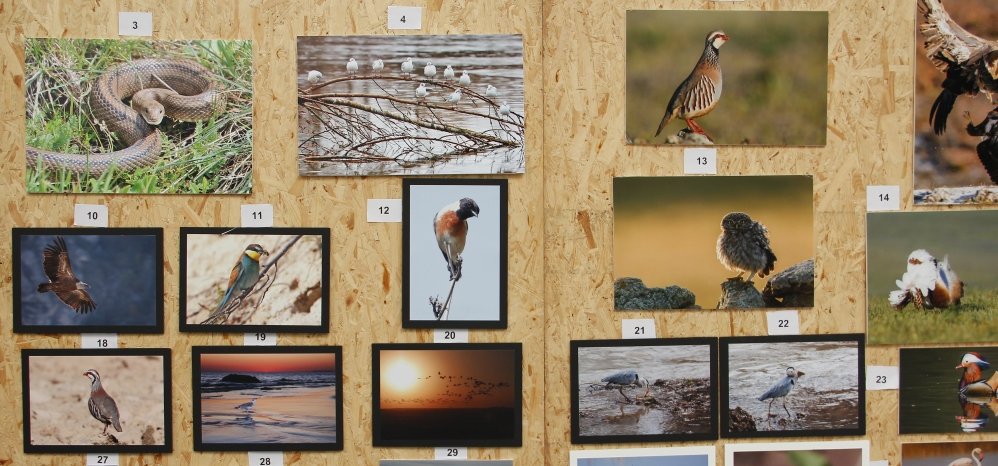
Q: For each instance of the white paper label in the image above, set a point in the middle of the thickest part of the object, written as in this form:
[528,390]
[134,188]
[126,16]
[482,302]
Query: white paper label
[135,23]
[102,459]
[883,198]
[882,378]
[879,463]
[260,339]
[405,17]
[257,215]
[384,210]
[266,458]
[450,336]
[450,453]
[90,215]
[637,328]
[700,161]
[99,341]
[783,322]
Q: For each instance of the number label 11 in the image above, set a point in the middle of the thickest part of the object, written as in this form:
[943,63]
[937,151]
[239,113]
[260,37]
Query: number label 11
[266,458]
[257,215]
[637,328]
[450,453]
[102,459]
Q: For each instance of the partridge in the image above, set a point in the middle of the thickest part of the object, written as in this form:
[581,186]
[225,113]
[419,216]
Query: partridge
[699,93]
[102,406]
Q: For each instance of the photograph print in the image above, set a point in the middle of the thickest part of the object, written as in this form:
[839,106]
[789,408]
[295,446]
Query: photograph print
[947,453]
[727,77]
[254,280]
[792,386]
[675,456]
[454,235]
[410,105]
[454,394]
[930,277]
[95,280]
[138,116]
[948,390]
[843,453]
[446,463]
[279,398]
[726,242]
[644,390]
[96,401]
[956,102]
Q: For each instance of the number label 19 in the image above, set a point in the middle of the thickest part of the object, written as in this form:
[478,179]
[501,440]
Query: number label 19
[260,339]
[90,215]
[405,17]
[102,459]
[637,328]
[266,458]
[450,453]
[883,198]
[384,210]
[135,23]
[882,378]
[450,336]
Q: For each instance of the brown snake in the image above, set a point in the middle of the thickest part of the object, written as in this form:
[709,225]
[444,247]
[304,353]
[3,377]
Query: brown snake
[144,81]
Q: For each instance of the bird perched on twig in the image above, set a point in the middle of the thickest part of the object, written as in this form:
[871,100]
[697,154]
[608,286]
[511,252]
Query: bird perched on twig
[102,406]
[352,66]
[449,73]
[62,281]
[700,92]
[450,226]
[465,79]
[927,283]
[781,389]
[243,276]
[314,76]
[429,70]
[407,66]
[377,66]
[421,91]
[744,246]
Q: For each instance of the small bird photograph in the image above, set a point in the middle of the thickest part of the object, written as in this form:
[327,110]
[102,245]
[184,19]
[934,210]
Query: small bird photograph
[445,463]
[107,400]
[702,77]
[930,277]
[792,386]
[672,456]
[254,280]
[279,398]
[644,390]
[454,394]
[956,102]
[454,253]
[948,390]
[947,453]
[411,105]
[715,242]
[844,453]
[68,280]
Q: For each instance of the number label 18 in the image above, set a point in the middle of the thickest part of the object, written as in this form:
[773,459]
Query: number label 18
[99,340]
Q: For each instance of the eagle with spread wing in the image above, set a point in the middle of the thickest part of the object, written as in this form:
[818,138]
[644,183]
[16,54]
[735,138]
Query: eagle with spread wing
[62,280]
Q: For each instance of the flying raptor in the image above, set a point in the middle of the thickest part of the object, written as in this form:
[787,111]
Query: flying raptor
[62,280]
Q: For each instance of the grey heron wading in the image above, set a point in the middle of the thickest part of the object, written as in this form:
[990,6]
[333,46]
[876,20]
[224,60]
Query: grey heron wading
[781,389]
[626,378]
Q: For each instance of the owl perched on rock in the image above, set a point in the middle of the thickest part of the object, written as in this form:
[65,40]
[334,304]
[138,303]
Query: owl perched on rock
[744,247]
[927,283]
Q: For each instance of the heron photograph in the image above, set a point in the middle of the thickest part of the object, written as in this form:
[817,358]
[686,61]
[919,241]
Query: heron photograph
[268,398]
[844,453]
[644,390]
[792,386]
[948,390]
[713,242]
[947,453]
[455,394]
[96,400]
[727,77]
[930,277]
[411,105]
[672,456]
[99,280]
[254,279]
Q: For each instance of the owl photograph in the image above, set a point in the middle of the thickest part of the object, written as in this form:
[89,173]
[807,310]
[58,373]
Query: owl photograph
[719,242]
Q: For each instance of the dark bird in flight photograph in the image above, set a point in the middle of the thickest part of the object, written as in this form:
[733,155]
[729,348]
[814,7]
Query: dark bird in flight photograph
[62,282]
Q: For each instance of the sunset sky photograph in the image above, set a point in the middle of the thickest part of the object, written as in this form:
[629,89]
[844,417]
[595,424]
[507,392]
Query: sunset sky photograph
[258,362]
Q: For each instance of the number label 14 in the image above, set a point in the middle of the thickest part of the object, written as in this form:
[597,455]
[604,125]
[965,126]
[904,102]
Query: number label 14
[266,458]
[450,453]
[102,459]
[883,198]
[637,328]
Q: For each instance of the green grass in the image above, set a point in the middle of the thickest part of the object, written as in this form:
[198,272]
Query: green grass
[208,157]
[975,320]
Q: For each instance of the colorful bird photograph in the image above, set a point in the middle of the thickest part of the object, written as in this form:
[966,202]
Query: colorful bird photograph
[947,453]
[844,453]
[456,394]
[81,400]
[454,253]
[717,242]
[727,77]
[644,390]
[930,277]
[411,105]
[956,102]
[779,386]
[254,279]
[672,456]
[72,280]
[948,390]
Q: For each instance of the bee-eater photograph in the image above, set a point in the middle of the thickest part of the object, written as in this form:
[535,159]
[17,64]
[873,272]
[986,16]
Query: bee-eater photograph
[260,279]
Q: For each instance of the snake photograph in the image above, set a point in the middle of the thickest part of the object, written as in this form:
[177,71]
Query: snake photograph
[134,116]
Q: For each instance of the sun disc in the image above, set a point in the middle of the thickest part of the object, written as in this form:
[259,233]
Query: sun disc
[402,375]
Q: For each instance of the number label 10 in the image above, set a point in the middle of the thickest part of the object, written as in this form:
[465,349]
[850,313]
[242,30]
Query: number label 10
[90,215]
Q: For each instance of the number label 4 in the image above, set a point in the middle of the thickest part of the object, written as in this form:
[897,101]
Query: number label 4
[405,17]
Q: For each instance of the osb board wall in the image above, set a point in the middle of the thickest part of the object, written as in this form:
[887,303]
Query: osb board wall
[366,258]
[869,141]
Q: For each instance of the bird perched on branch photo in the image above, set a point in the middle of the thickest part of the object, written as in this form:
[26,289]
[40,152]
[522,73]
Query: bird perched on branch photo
[450,226]
[244,274]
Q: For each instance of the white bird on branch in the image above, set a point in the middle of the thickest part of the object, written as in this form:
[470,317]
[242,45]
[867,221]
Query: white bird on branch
[421,91]
[407,66]
[449,73]
[352,66]
[504,109]
[429,70]
[454,97]
[465,79]
[314,76]
[377,66]
[491,91]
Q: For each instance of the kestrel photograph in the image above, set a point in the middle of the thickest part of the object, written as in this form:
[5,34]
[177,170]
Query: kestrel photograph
[716,242]
[674,456]
[845,453]
[930,277]
[411,105]
[454,253]
[948,390]
[254,280]
[138,116]
[96,401]
[454,394]
[727,77]
[644,390]
[956,102]
[792,386]
[947,453]
[71,280]
[284,398]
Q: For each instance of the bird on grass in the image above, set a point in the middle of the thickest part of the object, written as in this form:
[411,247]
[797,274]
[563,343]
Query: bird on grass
[377,66]
[450,226]
[407,66]
[978,457]
[626,378]
[449,73]
[314,76]
[927,283]
[972,383]
[352,66]
[700,92]
[781,389]
[744,246]
[102,406]
[244,274]
[429,70]
[62,281]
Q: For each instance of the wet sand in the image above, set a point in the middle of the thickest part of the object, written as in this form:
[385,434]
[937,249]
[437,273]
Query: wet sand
[302,415]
